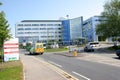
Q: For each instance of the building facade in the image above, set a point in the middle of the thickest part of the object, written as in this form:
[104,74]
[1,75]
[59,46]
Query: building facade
[89,28]
[39,30]
[65,31]
[76,28]
[72,30]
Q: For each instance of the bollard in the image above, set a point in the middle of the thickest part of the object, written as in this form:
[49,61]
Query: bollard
[75,53]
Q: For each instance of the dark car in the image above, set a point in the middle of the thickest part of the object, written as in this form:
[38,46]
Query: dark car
[118,53]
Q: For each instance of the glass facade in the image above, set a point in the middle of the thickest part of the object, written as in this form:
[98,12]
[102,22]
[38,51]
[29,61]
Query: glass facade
[72,30]
[76,28]
[66,31]
[89,28]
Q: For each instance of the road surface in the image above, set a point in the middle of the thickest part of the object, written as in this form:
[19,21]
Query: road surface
[83,70]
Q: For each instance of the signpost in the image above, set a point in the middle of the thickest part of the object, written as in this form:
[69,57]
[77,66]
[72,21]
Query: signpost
[11,50]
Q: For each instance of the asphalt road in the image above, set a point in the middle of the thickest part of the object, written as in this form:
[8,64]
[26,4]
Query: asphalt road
[83,70]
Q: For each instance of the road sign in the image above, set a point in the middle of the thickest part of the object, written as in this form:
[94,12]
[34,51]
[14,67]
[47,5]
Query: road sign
[11,50]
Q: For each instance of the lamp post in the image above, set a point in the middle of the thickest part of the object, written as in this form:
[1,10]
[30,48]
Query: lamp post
[69,35]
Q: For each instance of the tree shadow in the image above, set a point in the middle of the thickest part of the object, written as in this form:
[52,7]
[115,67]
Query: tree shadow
[32,54]
[104,51]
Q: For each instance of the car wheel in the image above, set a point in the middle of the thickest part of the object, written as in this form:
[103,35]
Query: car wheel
[41,53]
[119,57]
[30,53]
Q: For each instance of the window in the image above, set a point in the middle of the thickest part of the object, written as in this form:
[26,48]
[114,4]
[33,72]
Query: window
[27,32]
[27,24]
[20,25]
[42,28]
[20,28]
[35,24]
[50,28]
[20,33]
[57,24]
[42,24]
[43,36]
[27,28]
[35,32]
[49,24]
[42,32]
[35,28]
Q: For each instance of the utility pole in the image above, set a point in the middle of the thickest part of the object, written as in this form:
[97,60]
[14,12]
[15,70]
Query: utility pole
[69,36]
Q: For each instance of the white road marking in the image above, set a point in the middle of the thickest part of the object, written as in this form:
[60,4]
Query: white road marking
[55,64]
[56,69]
[81,75]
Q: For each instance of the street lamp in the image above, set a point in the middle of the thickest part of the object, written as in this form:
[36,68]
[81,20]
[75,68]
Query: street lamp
[69,34]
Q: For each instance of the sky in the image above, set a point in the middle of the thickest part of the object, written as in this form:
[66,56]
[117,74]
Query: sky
[18,10]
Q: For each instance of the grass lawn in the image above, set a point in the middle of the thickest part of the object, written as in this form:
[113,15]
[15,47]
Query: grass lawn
[56,50]
[12,70]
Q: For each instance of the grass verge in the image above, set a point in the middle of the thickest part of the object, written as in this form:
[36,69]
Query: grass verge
[56,50]
[114,48]
[12,70]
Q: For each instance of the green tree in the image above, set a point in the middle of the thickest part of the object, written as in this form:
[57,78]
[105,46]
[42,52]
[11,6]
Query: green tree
[110,25]
[4,29]
[0,3]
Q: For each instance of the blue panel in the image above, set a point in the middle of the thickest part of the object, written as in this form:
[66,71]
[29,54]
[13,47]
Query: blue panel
[66,31]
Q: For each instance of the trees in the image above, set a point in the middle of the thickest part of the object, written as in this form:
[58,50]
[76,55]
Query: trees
[4,29]
[110,25]
[0,3]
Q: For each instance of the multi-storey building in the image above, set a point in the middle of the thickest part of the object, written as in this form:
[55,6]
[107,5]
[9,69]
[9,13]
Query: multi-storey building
[44,30]
[72,30]
[76,28]
[89,28]
[38,30]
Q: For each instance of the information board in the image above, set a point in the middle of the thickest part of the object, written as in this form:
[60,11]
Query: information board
[11,50]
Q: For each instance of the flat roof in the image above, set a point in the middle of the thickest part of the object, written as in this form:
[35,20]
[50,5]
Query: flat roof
[41,21]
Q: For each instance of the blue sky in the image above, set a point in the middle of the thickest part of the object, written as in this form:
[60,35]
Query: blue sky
[17,10]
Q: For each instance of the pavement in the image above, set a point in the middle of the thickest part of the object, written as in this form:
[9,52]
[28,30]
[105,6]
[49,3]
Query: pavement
[38,70]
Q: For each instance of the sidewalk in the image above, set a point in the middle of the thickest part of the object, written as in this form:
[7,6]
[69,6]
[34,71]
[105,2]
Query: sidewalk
[37,70]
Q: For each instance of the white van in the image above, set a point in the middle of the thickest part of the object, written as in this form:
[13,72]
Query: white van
[94,44]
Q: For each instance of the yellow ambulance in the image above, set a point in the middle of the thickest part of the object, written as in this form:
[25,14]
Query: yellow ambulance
[37,48]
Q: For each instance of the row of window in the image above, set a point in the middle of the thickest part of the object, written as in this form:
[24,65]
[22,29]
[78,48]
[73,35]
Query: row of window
[39,29]
[28,32]
[39,32]
[50,36]
[39,25]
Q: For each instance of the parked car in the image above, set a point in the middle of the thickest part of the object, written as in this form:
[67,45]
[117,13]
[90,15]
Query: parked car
[88,48]
[118,53]
[94,44]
